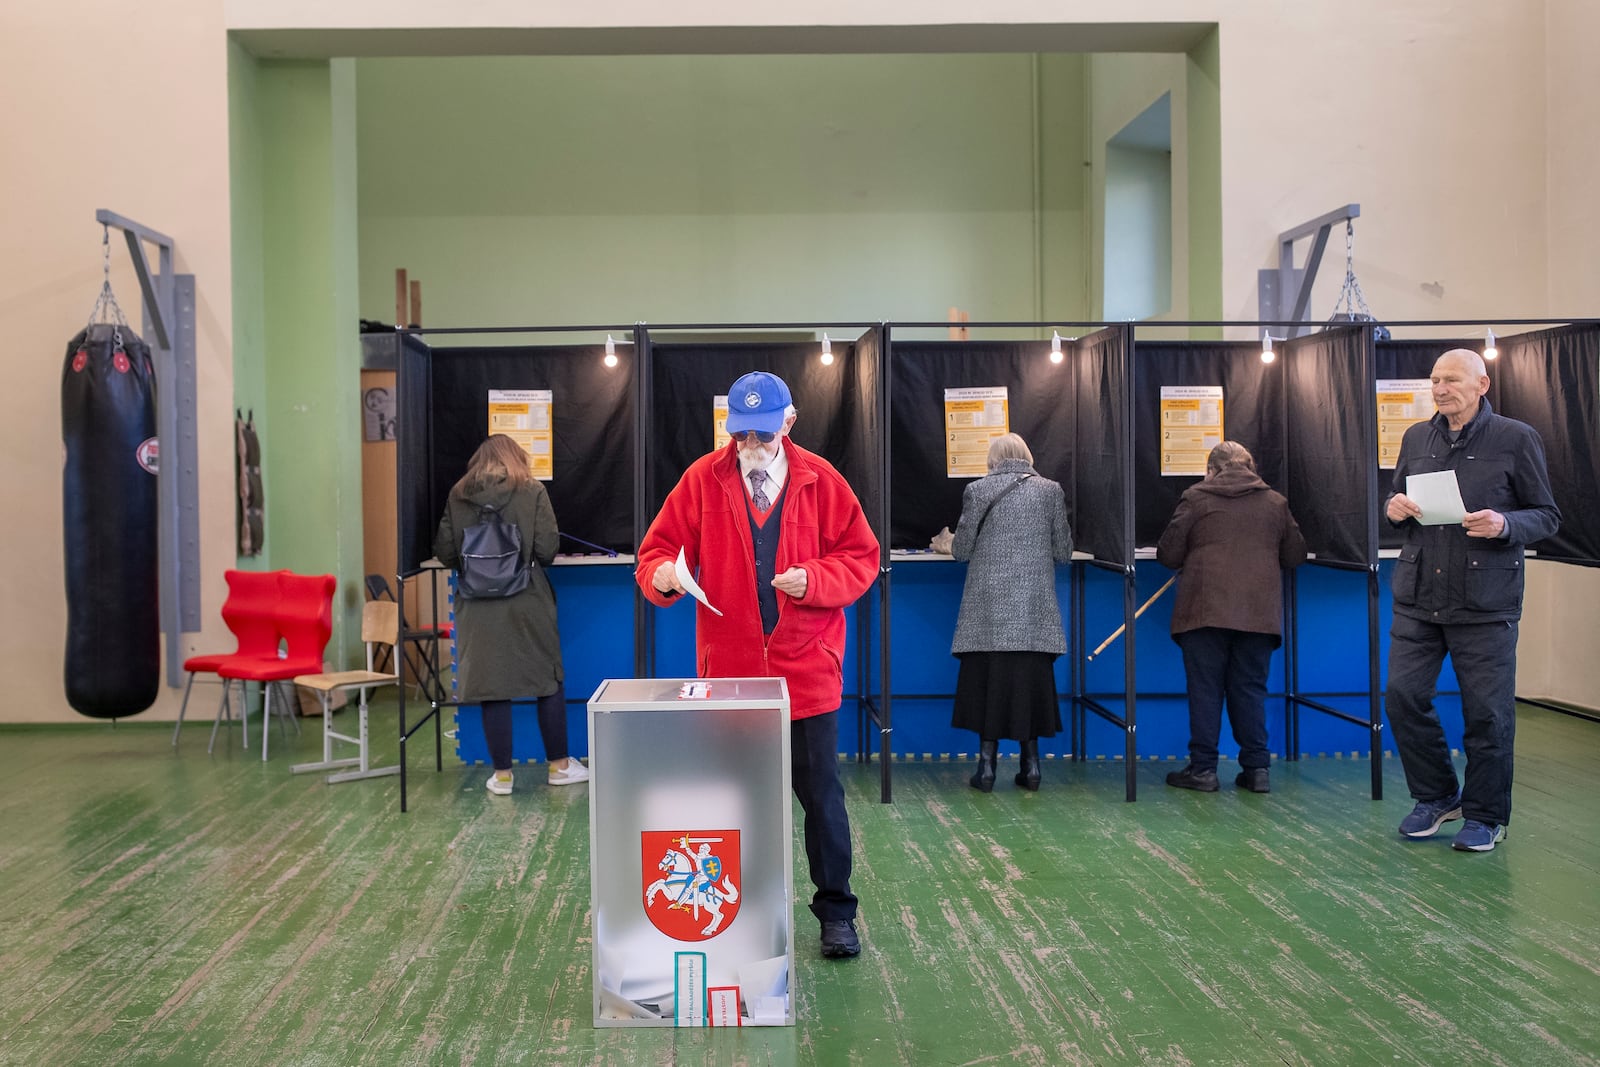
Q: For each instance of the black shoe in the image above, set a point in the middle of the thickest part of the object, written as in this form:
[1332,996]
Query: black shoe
[1028,777]
[1253,779]
[1189,778]
[983,778]
[839,940]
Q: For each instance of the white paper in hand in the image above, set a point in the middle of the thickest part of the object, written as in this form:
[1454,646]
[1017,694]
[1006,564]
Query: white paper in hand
[1438,495]
[692,587]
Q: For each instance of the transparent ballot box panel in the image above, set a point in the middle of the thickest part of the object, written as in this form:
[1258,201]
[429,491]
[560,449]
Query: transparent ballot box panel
[690,852]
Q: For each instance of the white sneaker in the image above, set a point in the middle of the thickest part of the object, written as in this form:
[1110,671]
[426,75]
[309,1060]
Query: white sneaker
[573,773]
[500,787]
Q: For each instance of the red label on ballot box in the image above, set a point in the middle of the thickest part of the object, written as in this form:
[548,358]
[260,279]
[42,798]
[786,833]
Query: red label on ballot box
[691,881]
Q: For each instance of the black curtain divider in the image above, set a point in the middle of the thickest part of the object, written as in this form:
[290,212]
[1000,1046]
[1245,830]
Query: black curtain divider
[1330,448]
[864,378]
[1331,453]
[1550,380]
[837,405]
[1038,392]
[592,417]
[1252,414]
[414,489]
[1102,493]
[415,521]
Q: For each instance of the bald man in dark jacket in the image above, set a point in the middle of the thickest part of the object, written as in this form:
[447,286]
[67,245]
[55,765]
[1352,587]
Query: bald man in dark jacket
[1232,536]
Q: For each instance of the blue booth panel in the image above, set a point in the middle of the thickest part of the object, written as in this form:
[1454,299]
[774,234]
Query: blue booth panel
[594,605]
[596,617]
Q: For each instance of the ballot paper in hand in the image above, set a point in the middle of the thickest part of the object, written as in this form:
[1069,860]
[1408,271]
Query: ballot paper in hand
[686,580]
[1439,497]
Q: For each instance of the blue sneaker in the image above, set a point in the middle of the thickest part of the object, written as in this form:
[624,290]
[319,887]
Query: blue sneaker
[1426,818]
[1478,836]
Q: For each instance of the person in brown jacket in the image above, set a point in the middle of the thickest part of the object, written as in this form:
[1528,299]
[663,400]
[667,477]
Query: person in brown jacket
[1232,537]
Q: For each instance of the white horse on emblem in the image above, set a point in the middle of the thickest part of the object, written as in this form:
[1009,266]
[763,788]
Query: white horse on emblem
[689,886]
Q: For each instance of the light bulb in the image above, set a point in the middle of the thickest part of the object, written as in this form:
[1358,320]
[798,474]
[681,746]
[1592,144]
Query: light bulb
[1489,349]
[1267,354]
[611,352]
[827,351]
[1055,347]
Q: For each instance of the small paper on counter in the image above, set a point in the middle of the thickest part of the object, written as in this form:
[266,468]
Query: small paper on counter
[1438,495]
[685,579]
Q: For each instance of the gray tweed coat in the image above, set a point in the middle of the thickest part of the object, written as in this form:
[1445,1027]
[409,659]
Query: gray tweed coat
[506,649]
[1009,602]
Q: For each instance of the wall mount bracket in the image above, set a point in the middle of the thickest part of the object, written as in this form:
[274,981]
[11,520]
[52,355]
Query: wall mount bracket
[1284,294]
[169,325]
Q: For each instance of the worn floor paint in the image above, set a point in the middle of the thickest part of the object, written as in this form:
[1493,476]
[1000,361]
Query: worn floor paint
[161,907]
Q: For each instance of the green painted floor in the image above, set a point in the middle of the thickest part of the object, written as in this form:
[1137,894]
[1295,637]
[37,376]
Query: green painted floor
[177,909]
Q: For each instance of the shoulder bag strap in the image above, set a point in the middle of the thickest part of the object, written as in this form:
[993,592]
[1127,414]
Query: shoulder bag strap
[985,516]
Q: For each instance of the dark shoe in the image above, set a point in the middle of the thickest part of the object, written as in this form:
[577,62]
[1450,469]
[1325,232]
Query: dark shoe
[1254,779]
[1028,777]
[1189,778]
[983,778]
[1477,836]
[839,940]
[1426,818]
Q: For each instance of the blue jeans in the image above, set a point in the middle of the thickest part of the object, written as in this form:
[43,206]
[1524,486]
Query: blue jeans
[814,768]
[1227,665]
[1485,659]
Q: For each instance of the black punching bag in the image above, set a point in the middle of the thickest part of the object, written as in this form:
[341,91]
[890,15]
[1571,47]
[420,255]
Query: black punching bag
[108,430]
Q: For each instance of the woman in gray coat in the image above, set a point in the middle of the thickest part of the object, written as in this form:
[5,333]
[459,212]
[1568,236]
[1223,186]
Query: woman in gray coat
[1012,533]
[1233,538]
[508,648]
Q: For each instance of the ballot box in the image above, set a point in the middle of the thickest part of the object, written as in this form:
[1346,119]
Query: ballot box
[690,842]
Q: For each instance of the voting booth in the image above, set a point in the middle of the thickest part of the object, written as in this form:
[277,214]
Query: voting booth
[690,848]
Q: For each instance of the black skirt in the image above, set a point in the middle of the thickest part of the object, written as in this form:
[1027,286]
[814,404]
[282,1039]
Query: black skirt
[1007,695]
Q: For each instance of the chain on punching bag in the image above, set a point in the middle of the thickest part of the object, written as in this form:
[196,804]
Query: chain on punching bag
[108,429]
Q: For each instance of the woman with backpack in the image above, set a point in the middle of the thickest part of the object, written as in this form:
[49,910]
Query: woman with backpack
[498,529]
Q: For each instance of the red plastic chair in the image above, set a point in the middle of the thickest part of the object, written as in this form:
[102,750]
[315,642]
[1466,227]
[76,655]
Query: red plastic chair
[304,621]
[248,613]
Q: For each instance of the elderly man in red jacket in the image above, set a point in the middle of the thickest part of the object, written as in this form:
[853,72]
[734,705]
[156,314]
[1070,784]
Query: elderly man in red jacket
[781,547]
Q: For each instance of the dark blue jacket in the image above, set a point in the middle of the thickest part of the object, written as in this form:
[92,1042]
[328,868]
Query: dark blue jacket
[1443,576]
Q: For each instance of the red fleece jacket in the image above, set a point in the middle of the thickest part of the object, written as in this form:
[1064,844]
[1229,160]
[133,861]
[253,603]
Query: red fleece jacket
[823,530]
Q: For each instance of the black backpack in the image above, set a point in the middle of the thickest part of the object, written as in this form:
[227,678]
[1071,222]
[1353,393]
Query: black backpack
[491,558]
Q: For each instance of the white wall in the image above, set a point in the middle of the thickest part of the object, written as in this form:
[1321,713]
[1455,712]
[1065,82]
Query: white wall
[125,108]
[1474,171]
[1563,606]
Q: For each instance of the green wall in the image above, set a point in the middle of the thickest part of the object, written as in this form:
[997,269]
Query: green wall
[551,190]
[296,351]
[723,188]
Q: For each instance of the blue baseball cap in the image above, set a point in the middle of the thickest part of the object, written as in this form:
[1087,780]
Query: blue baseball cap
[757,401]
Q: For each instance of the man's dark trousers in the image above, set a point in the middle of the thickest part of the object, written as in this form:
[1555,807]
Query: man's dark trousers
[1227,664]
[1485,659]
[814,769]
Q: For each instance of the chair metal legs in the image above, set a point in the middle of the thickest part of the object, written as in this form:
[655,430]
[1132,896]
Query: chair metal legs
[286,711]
[361,762]
[182,708]
[225,711]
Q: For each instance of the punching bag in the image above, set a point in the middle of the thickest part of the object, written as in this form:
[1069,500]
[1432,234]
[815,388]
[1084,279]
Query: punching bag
[108,431]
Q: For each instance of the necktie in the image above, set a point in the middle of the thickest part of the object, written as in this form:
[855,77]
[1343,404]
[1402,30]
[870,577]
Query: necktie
[757,494]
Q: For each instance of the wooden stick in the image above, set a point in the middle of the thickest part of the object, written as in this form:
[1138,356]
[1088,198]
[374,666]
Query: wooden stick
[1118,631]
[400,296]
[416,305]
[956,316]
